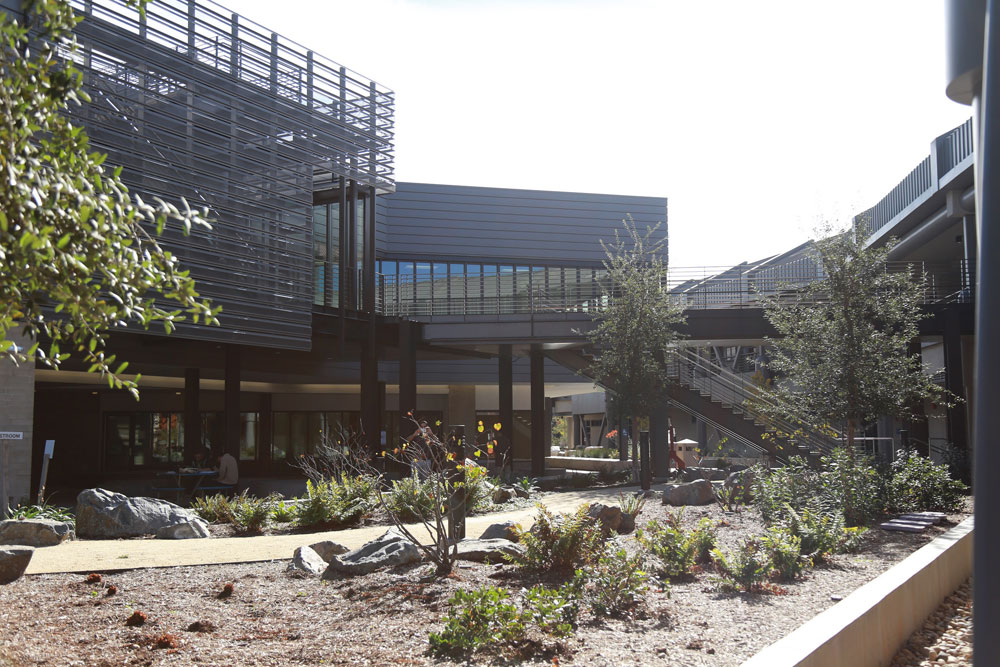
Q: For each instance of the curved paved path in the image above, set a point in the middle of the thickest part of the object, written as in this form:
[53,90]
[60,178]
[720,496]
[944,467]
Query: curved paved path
[104,555]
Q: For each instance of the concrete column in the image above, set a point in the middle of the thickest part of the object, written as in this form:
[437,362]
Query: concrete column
[370,411]
[231,402]
[17,406]
[538,412]
[506,376]
[462,408]
[658,444]
[192,412]
[407,377]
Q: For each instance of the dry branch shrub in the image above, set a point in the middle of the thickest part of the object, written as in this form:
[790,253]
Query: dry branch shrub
[136,619]
[165,640]
[93,578]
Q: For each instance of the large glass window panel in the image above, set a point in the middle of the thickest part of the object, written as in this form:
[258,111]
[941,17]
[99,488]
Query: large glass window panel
[141,440]
[249,426]
[505,285]
[117,441]
[474,288]
[280,436]
[333,265]
[422,287]
[319,253]
[298,434]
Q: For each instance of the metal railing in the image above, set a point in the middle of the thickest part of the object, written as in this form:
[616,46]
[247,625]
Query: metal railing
[733,392]
[691,288]
[954,147]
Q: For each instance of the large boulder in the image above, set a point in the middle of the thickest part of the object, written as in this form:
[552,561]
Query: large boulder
[389,550]
[186,530]
[503,494]
[306,561]
[493,550]
[610,517]
[711,474]
[327,549]
[106,514]
[14,561]
[693,493]
[508,530]
[36,532]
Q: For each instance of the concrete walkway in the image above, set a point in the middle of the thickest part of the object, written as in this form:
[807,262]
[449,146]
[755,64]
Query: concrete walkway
[104,555]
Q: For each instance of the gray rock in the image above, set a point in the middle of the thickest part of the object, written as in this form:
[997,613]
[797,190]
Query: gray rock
[627,524]
[502,531]
[389,550]
[743,479]
[187,530]
[610,517]
[327,549]
[307,561]
[494,550]
[711,474]
[502,495]
[105,514]
[694,493]
[36,532]
[14,561]
[521,493]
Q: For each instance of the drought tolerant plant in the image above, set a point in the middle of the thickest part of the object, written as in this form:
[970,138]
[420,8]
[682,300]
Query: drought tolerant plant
[528,485]
[554,610]
[730,498]
[331,503]
[674,549]
[43,511]
[282,513]
[703,538]
[560,544]
[631,504]
[251,514]
[918,484]
[478,489]
[411,499]
[477,619]
[616,584]
[785,553]
[793,485]
[214,509]
[746,567]
[852,486]
[820,534]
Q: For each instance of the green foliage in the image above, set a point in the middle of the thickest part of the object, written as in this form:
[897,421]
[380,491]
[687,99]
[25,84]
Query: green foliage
[251,514]
[76,254]
[702,537]
[616,584]
[853,539]
[214,509]
[784,551]
[478,489]
[820,534]
[675,550]
[477,619]
[852,486]
[528,485]
[329,503]
[631,503]
[560,543]
[918,484]
[843,345]
[730,498]
[43,511]
[411,499]
[553,610]
[282,513]
[793,485]
[582,481]
[746,567]
[639,323]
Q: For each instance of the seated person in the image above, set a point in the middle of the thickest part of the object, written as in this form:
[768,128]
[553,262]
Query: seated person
[200,459]
[228,472]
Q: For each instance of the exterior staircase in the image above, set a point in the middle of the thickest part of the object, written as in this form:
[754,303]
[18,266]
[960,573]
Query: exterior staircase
[727,402]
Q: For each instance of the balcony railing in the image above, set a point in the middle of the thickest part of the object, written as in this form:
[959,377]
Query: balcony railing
[692,288]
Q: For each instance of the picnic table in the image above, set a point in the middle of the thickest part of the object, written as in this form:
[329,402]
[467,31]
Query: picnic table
[189,481]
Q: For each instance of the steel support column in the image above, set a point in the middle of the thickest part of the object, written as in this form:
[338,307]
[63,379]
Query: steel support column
[538,424]
[955,379]
[407,377]
[231,402]
[370,423]
[506,375]
[192,412]
[658,442]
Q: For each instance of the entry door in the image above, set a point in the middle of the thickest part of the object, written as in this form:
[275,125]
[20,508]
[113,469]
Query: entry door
[126,441]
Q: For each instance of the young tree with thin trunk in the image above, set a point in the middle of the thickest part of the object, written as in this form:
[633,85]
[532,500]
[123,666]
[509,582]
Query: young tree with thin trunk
[843,344]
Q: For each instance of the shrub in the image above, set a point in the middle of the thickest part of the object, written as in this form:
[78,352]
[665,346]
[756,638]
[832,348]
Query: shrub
[675,550]
[703,540]
[560,543]
[794,485]
[356,497]
[554,610]
[730,498]
[785,553]
[852,487]
[528,485]
[251,514]
[214,509]
[283,513]
[43,511]
[852,539]
[616,584]
[330,503]
[919,484]
[631,504]
[411,499]
[477,619]
[819,534]
[583,481]
[478,489]
[746,567]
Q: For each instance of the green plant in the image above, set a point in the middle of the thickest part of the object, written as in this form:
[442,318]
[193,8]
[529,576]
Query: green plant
[674,549]
[820,534]
[214,509]
[616,584]
[631,504]
[527,484]
[478,489]
[730,498]
[43,511]
[852,486]
[331,503]
[583,481]
[355,497]
[282,513]
[477,619]
[852,539]
[411,498]
[553,610]
[251,514]
[793,485]
[702,537]
[560,543]
[785,553]
[918,484]
[746,567]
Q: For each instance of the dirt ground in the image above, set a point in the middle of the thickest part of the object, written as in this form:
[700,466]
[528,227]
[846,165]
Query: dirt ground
[273,618]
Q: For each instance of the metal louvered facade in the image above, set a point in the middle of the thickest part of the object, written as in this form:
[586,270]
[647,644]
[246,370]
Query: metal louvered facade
[196,102]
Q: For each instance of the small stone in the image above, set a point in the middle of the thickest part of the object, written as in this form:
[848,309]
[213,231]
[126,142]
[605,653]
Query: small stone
[14,561]
[836,598]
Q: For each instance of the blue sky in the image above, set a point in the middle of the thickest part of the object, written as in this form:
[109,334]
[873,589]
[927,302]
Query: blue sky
[759,121]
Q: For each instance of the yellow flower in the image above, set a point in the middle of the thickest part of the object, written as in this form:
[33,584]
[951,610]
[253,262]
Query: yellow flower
[497,426]
[480,427]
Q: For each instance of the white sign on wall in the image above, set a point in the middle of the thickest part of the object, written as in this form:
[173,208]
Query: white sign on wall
[11,435]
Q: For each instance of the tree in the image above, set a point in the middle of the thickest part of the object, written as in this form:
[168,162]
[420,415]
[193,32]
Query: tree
[635,331]
[842,346]
[75,257]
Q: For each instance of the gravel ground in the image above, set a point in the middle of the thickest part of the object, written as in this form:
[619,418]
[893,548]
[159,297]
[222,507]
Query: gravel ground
[946,637]
[272,618]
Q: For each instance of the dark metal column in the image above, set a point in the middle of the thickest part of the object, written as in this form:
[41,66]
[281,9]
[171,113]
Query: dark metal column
[370,424]
[192,412]
[265,432]
[538,424]
[644,471]
[231,401]
[407,377]
[658,442]
[506,374]
[955,379]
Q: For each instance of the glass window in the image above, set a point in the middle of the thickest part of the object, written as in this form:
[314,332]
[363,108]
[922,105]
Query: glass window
[249,428]
[168,437]
[280,436]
